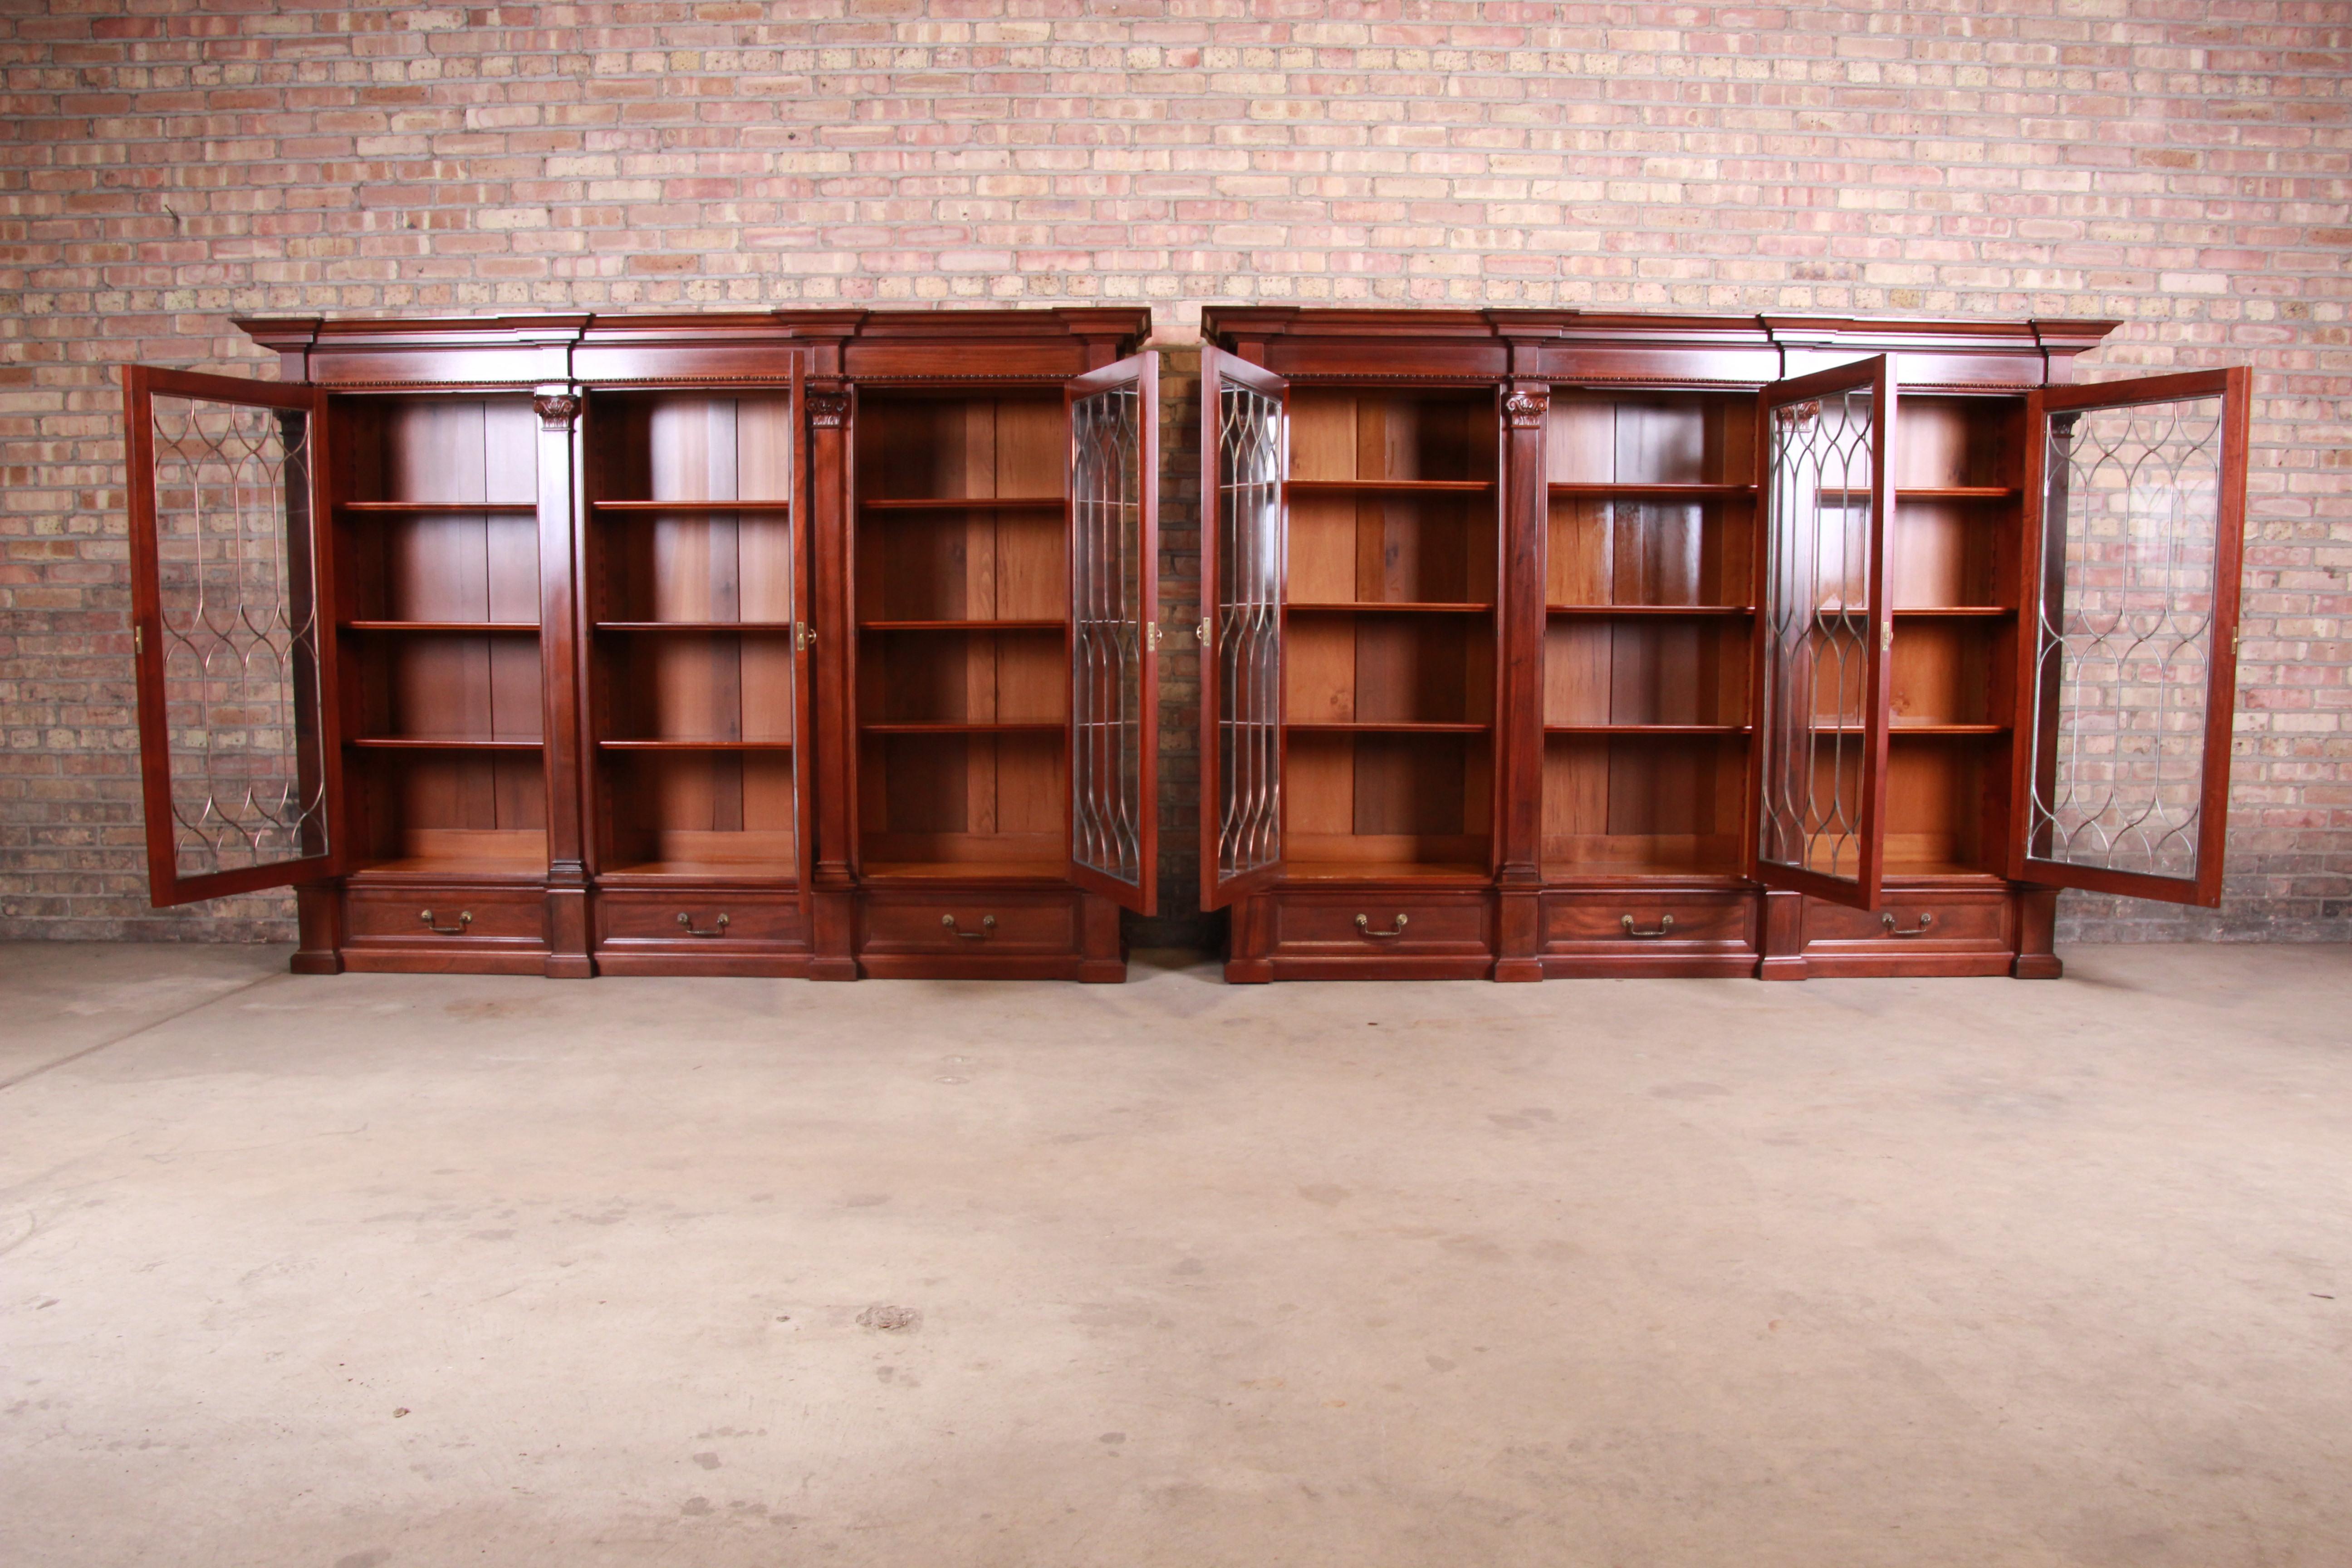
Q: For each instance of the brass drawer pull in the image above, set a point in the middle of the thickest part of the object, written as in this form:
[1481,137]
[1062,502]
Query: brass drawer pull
[465,919]
[1666,924]
[718,929]
[987,924]
[1364,926]
[1926,918]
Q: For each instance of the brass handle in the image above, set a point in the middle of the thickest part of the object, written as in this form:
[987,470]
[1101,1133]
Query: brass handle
[465,919]
[1364,925]
[1926,918]
[1666,924]
[719,930]
[987,924]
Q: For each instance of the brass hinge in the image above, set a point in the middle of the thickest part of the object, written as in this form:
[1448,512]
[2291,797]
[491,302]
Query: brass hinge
[1887,635]
[139,640]
[1200,632]
[803,636]
[1151,636]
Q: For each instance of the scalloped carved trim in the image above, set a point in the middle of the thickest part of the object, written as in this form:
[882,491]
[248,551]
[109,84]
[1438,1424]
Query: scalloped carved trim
[828,410]
[1528,410]
[557,410]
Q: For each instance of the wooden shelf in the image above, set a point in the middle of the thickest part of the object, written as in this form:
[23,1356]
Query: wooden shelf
[1370,870]
[1899,727]
[1721,610]
[667,745]
[1648,729]
[478,628]
[690,506]
[1956,612]
[1389,487]
[965,870]
[768,873]
[1037,626]
[960,727]
[1386,607]
[764,628]
[1841,497]
[1393,727]
[968,503]
[453,869]
[1634,491]
[438,508]
[437,743]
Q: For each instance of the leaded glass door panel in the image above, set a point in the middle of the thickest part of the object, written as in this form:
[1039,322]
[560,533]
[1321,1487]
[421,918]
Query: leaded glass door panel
[2134,513]
[238,755]
[1245,441]
[1823,634]
[1114,630]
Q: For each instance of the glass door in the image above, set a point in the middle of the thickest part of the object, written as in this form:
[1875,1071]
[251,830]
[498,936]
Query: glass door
[1115,630]
[2135,496]
[237,759]
[1823,633]
[1244,442]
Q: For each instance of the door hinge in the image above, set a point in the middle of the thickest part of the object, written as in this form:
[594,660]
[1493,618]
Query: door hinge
[139,640]
[1200,632]
[1151,636]
[803,636]
[1887,635]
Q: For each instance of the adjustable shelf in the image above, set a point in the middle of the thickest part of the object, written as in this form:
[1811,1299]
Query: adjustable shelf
[962,727]
[1386,607]
[1955,612]
[1637,491]
[694,745]
[768,629]
[1726,612]
[1648,730]
[968,503]
[622,506]
[1901,727]
[437,508]
[439,743]
[1390,727]
[967,625]
[1388,487]
[469,628]
[1844,497]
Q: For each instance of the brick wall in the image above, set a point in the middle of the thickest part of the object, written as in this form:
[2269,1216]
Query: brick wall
[2181,167]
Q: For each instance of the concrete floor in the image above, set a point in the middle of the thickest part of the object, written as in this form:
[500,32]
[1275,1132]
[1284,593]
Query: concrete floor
[391,1270]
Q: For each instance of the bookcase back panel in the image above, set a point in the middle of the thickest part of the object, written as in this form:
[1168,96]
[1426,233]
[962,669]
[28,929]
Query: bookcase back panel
[1351,433]
[1945,803]
[985,677]
[1388,804]
[1376,669]
[1010,565]
[918,447]
[1391,549]
[431,686]
[1645,672]
[1603,550]
[450,813]
[1599,437]
[684,813]
[936,804]
[1631,805]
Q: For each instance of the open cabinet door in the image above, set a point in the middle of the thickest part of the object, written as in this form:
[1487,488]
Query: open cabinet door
[2135,503]
[1245,454]
[1114,418]
[237,749]
[1818,764]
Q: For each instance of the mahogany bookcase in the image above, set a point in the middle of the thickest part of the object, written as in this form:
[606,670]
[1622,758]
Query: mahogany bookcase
[1534,643]
[811,643]
[1546,643]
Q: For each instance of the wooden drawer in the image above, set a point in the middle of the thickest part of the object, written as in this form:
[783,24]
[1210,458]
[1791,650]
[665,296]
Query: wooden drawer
[1909,921]
[714,922]
[1371,924]
[446,917]
[1636,923]
[964,924]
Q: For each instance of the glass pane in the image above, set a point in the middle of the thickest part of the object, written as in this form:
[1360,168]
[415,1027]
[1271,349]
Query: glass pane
[2123,636]
[1107,672]
[1815,702]
[240,635]
[1249,610]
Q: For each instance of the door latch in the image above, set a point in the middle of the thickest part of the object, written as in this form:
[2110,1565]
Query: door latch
[803,636]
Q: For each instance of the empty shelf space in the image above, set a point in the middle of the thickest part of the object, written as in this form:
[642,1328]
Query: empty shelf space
[966,871]
[1647,729]
[1954,613]
[967,503]
[1386,607]
[481,628]
[693,745]
[1669,610]
[1635,492]
[1389,487]
[437,743]
[437,508]
[1384,870]
[970,626]
[771,628]
[1902,726]
[1390,727]
[770,875]
[1853,497]
[699,505]
[962,727]
[452,869]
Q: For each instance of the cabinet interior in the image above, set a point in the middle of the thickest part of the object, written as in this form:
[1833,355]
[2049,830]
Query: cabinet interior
[691,580]
[960,587]
[1392,586]
[437,566]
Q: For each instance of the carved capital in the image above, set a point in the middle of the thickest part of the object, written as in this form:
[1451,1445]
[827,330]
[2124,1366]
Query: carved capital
[1528,410]
[828,410]
[557,410]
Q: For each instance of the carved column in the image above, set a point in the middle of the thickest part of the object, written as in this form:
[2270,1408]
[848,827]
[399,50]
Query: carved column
[1519,762]
[833,896]
[563,685]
